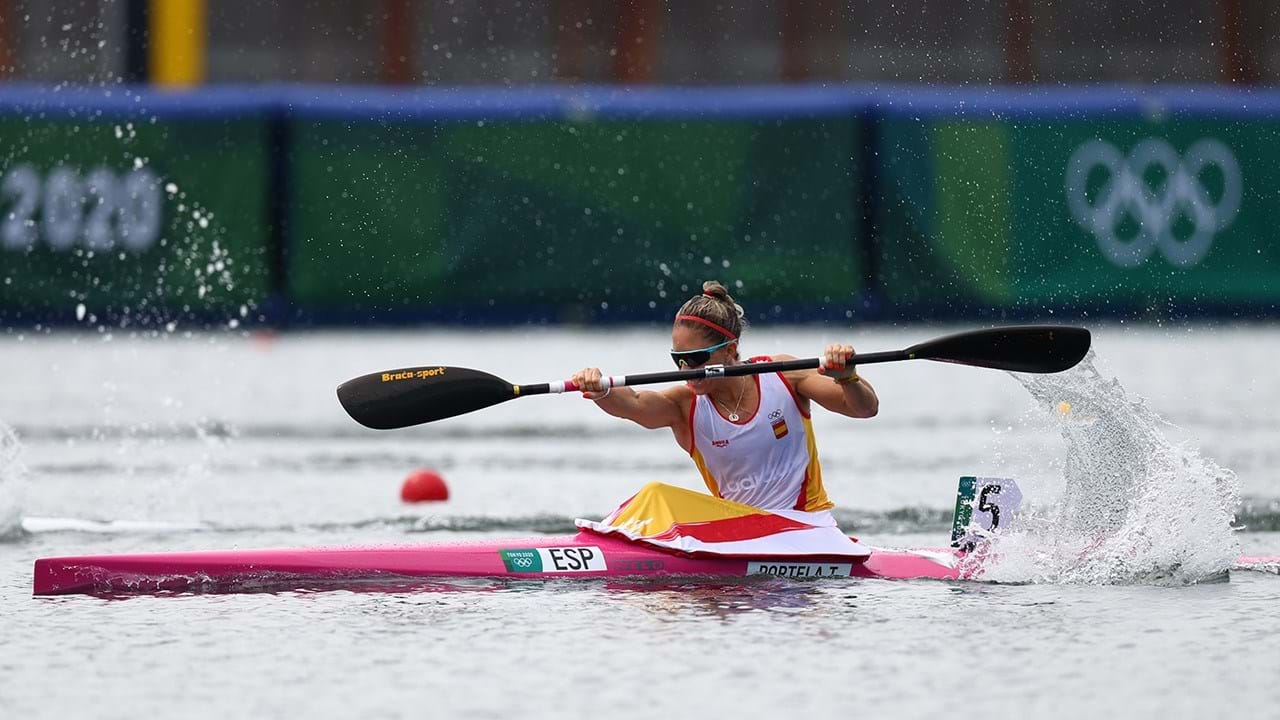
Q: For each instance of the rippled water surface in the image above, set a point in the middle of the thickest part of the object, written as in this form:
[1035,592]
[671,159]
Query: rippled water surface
[221,441]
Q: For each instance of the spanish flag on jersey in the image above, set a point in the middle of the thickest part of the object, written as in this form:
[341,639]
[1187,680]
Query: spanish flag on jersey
[780,428]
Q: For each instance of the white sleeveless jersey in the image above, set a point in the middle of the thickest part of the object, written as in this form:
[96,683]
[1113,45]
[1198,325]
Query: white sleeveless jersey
[767,460]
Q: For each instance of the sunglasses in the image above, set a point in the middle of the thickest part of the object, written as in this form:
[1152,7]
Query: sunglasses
[691,359]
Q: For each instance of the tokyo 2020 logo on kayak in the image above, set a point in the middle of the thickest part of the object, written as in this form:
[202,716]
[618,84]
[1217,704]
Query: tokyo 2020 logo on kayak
[1176,213]
[577,558]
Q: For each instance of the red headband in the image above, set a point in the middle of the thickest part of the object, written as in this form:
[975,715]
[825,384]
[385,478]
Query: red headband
[708,323]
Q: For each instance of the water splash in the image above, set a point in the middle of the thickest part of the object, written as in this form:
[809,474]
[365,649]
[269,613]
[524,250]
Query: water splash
[13,482]
[1136,507]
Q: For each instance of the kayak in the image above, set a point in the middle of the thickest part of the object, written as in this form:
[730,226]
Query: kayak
[984,508]
[589,554]
[585,555]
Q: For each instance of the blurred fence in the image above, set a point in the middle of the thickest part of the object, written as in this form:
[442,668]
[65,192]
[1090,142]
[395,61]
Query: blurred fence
[291,204]
[412,42]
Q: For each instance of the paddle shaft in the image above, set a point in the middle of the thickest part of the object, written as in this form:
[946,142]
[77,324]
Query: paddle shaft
[411,396]
[712,371]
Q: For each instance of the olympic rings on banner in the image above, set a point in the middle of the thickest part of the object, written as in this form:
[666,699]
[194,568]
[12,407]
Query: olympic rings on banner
[1125,193]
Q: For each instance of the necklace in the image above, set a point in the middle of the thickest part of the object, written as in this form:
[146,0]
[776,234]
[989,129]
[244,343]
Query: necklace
[733,414]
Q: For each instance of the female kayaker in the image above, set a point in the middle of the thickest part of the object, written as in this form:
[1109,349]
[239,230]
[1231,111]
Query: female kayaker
[749,436]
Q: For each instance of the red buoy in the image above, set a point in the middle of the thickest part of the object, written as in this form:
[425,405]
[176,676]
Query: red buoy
[424,485]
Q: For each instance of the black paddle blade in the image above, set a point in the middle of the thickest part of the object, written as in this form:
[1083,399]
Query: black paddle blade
[1027,348]
[412,396]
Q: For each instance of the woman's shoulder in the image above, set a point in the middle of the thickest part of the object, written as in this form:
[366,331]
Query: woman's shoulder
[680,394]
[793,377]
[772,358]
[790,375]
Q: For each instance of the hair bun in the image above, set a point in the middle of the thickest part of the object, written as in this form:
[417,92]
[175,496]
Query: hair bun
[713,289]
[714,305]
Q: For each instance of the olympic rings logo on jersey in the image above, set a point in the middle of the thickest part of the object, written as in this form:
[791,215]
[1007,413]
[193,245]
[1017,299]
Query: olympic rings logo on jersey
[1125,193]
[740,485]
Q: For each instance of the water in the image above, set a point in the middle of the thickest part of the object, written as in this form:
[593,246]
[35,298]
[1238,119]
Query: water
[1135,507]
[219,441]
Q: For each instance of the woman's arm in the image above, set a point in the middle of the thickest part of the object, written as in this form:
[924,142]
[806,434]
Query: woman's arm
[852,397]
[644,407]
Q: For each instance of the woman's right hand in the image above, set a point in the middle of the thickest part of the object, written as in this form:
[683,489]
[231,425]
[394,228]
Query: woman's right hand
[588,379]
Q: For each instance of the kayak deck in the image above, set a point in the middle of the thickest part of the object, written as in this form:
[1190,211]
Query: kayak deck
[582,555]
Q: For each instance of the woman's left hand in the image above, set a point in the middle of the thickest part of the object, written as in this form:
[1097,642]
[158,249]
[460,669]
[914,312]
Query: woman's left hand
[834,359]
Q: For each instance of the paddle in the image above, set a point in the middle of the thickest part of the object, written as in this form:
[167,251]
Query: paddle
[411,396]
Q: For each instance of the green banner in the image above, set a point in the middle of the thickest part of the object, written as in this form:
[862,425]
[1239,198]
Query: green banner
[1112,214]
[622,216]
[135,221]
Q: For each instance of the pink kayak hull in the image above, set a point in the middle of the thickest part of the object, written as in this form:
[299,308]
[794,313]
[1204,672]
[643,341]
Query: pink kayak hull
[543,557]
[564,556]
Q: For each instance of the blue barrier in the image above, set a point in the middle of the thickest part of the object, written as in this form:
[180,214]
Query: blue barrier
[594,101]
